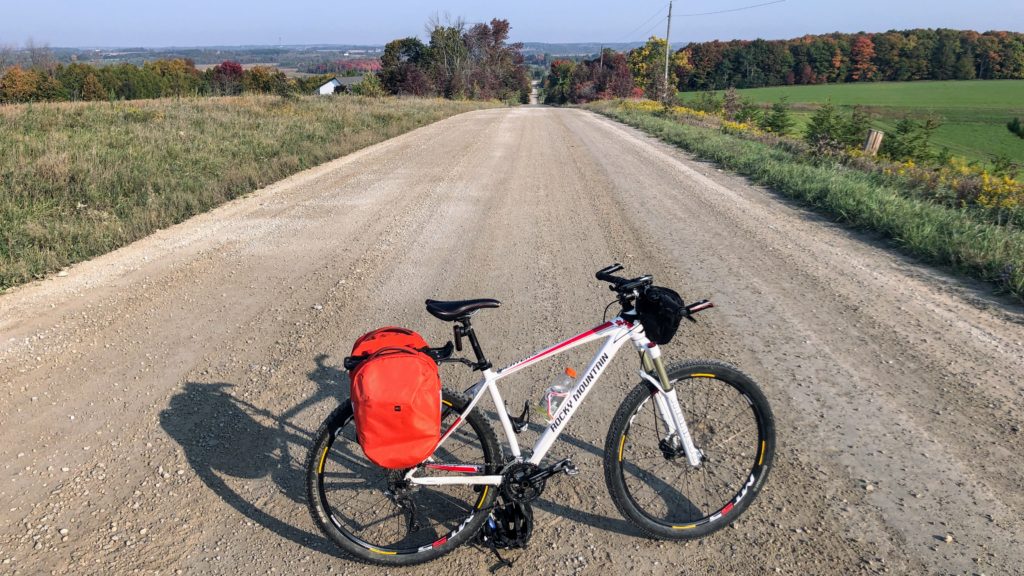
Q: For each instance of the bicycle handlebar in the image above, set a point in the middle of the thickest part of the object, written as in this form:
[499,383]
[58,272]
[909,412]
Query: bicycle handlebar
[619,284]
[605,274]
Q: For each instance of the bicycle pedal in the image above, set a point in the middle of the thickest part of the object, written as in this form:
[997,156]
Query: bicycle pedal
[565,466]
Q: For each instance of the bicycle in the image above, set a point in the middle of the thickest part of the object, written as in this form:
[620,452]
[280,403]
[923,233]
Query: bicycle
[676,470]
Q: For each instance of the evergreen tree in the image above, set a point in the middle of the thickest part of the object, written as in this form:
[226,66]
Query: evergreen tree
[778,121]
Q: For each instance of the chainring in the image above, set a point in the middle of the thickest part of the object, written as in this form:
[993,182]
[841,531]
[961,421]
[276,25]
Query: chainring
[517,486]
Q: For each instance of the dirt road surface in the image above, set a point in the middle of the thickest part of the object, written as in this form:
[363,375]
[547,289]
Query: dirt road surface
[157,402]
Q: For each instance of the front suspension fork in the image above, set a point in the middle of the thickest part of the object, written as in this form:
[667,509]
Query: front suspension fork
[667,401]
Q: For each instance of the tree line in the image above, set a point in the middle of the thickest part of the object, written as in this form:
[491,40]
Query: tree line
[458,61]
[157,79]
[898,55]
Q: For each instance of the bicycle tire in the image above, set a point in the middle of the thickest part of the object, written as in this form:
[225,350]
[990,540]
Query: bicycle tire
[662,502]
[332,497]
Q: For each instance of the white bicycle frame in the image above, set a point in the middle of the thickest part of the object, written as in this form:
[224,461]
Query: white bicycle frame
[616,333]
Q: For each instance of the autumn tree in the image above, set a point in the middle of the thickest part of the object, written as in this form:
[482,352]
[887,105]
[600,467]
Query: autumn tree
[264,80]
[448,62]
[226,78]
[404,67]
[92,89]
[647,64]
[459,62]
[606,76]
[558,86]
[18,85]
[178,76]
[862,52]
[613,77]
[497,68]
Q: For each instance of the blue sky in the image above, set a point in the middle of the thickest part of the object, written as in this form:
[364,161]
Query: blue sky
[233,22]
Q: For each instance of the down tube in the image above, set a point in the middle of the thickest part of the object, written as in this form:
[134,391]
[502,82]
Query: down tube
[579,392]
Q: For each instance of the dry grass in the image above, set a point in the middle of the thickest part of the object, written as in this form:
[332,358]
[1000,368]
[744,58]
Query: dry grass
[81,179]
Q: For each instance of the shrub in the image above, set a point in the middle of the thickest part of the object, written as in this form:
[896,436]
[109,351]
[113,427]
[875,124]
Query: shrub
[829,133]
[1016,127]
[369,86]
[778,120]
[910,140]
[749,113]
[707,102]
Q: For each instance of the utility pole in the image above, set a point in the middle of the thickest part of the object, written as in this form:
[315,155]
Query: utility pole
[668,51]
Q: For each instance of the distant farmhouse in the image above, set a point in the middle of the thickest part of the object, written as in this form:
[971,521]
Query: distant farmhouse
[338,85]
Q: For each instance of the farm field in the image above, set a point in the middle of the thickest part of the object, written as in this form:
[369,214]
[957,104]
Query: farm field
[973,113]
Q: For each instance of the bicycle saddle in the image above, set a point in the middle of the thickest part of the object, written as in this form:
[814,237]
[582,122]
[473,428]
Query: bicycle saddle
[455,309]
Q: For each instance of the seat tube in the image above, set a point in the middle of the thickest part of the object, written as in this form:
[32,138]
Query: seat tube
[499,407]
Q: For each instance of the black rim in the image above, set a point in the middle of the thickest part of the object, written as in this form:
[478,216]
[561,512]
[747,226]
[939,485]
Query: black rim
[460,522]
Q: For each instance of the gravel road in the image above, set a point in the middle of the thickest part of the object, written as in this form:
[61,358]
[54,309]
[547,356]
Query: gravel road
[157,402]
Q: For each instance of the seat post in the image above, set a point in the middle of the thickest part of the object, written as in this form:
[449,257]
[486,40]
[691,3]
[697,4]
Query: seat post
[466,329]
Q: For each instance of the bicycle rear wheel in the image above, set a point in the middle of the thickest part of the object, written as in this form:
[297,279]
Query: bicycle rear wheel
[374,516]
[652,483]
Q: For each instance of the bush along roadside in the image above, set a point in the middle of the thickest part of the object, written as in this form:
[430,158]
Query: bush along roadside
[935,233]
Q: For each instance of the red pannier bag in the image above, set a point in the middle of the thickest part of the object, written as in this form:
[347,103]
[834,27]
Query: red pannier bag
[396,397]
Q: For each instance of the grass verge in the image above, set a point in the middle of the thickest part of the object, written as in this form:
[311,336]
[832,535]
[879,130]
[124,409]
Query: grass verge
[81,179]
[933,233]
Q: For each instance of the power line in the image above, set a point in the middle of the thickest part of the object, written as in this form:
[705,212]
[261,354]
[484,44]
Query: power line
[733,9]
[651,29]
[645,23]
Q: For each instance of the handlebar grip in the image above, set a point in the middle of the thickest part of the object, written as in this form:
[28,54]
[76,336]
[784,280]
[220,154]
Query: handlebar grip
[604,274]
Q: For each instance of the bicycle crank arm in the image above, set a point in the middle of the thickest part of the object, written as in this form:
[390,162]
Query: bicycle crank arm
[561,466]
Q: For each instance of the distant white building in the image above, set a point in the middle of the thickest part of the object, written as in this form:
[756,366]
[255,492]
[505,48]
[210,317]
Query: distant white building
[338,85]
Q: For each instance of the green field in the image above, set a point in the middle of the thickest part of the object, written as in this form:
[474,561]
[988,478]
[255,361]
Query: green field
[973,113]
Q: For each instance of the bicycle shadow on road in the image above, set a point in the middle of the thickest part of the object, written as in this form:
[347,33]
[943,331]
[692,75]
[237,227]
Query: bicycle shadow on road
[224,440]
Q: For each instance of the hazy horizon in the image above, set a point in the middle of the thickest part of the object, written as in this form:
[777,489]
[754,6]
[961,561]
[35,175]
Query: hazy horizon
[190,23]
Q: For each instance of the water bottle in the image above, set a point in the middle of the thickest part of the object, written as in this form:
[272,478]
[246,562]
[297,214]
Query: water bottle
[556,394]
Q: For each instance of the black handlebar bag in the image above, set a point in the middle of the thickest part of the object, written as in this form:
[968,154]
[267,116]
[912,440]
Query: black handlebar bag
[660,310]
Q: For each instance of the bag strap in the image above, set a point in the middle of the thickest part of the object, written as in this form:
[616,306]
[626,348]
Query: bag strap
[353,362]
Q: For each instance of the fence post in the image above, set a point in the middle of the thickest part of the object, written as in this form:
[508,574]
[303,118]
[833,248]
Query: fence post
[873,142]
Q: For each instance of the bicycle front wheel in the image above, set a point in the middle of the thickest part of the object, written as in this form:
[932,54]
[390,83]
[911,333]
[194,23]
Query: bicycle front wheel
[649,478]
[374,516]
